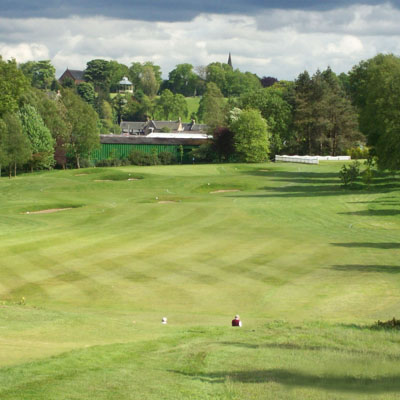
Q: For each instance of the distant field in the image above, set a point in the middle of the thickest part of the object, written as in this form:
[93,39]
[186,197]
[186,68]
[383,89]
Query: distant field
[308,265]
[193,106]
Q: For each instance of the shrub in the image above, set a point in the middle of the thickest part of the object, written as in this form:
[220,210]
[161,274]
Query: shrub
[349,174]
[110,162]
[166,158]
[204,153]
[139,158]
[357,153]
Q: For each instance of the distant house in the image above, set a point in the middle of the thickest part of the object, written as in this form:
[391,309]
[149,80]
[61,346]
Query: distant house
[152,127]
[75,75]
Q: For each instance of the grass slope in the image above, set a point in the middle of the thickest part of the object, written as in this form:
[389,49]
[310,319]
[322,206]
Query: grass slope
[308,265]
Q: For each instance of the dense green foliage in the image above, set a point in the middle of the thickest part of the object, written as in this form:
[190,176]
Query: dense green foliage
[251,136]
[318,114]
[41,74]
[375,86]
[325,120]
[13,84]
[16,148]
[84,126]
[309,266]
[170,106]
[42,143]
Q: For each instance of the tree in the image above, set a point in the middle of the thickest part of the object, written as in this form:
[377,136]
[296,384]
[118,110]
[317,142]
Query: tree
[98,73]
[183,80]
[145,77]
[223,143]
[13,84]
[164,104]
[16,145]
[42,143]
[267,81]
[171,106]
[325,121]
[86,91]
[231,82]
[84,124]
[116,72]
[375,88]
[149,82]
[4,159]
[40,73]
[276,111]
[54,115]
[212,107]
[251,136]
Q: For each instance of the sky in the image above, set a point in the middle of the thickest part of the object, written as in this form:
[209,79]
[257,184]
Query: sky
[266,37]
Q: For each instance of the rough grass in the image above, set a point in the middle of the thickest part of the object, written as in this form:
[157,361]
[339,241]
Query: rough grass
[308,265]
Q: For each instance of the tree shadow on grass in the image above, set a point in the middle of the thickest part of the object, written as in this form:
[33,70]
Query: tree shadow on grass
[308,184]
[305,347]
[383,245]
[342,383]
[388,269]
[368,213]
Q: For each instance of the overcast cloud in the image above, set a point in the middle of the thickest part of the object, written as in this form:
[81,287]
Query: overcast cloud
[262,37]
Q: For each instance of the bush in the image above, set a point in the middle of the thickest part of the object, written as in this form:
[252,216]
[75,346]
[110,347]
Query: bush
[110,162]
[139,158]
[204,153]
[349,174]
[166,158]
[357,153]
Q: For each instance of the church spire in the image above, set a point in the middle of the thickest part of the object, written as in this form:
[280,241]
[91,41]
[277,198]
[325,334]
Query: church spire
[230,60]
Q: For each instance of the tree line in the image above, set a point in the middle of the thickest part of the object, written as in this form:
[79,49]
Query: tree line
[250,118]
[35,122]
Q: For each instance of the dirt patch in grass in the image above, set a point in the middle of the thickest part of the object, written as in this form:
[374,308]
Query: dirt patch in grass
[264,170]
[133,179]
[80,174]
[48,211]
[225,191]
[166,202]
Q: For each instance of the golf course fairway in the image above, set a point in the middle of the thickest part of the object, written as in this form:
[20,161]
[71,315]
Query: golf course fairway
[91,260]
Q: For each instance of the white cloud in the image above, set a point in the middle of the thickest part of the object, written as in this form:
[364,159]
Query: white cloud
[23,52]
[280,43]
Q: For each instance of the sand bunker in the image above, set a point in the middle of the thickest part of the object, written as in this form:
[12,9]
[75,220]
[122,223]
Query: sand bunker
[103,180]
[166,202]
[49,211]
[80,174]
[133,179]
[225,191]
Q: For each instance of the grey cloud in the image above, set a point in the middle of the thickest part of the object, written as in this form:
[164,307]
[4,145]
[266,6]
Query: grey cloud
[167,10]
[357,20]
[283,50]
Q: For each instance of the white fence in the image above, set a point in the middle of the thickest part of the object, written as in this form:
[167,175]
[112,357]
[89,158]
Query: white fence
[298,159]
[310,159]
[336,158]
